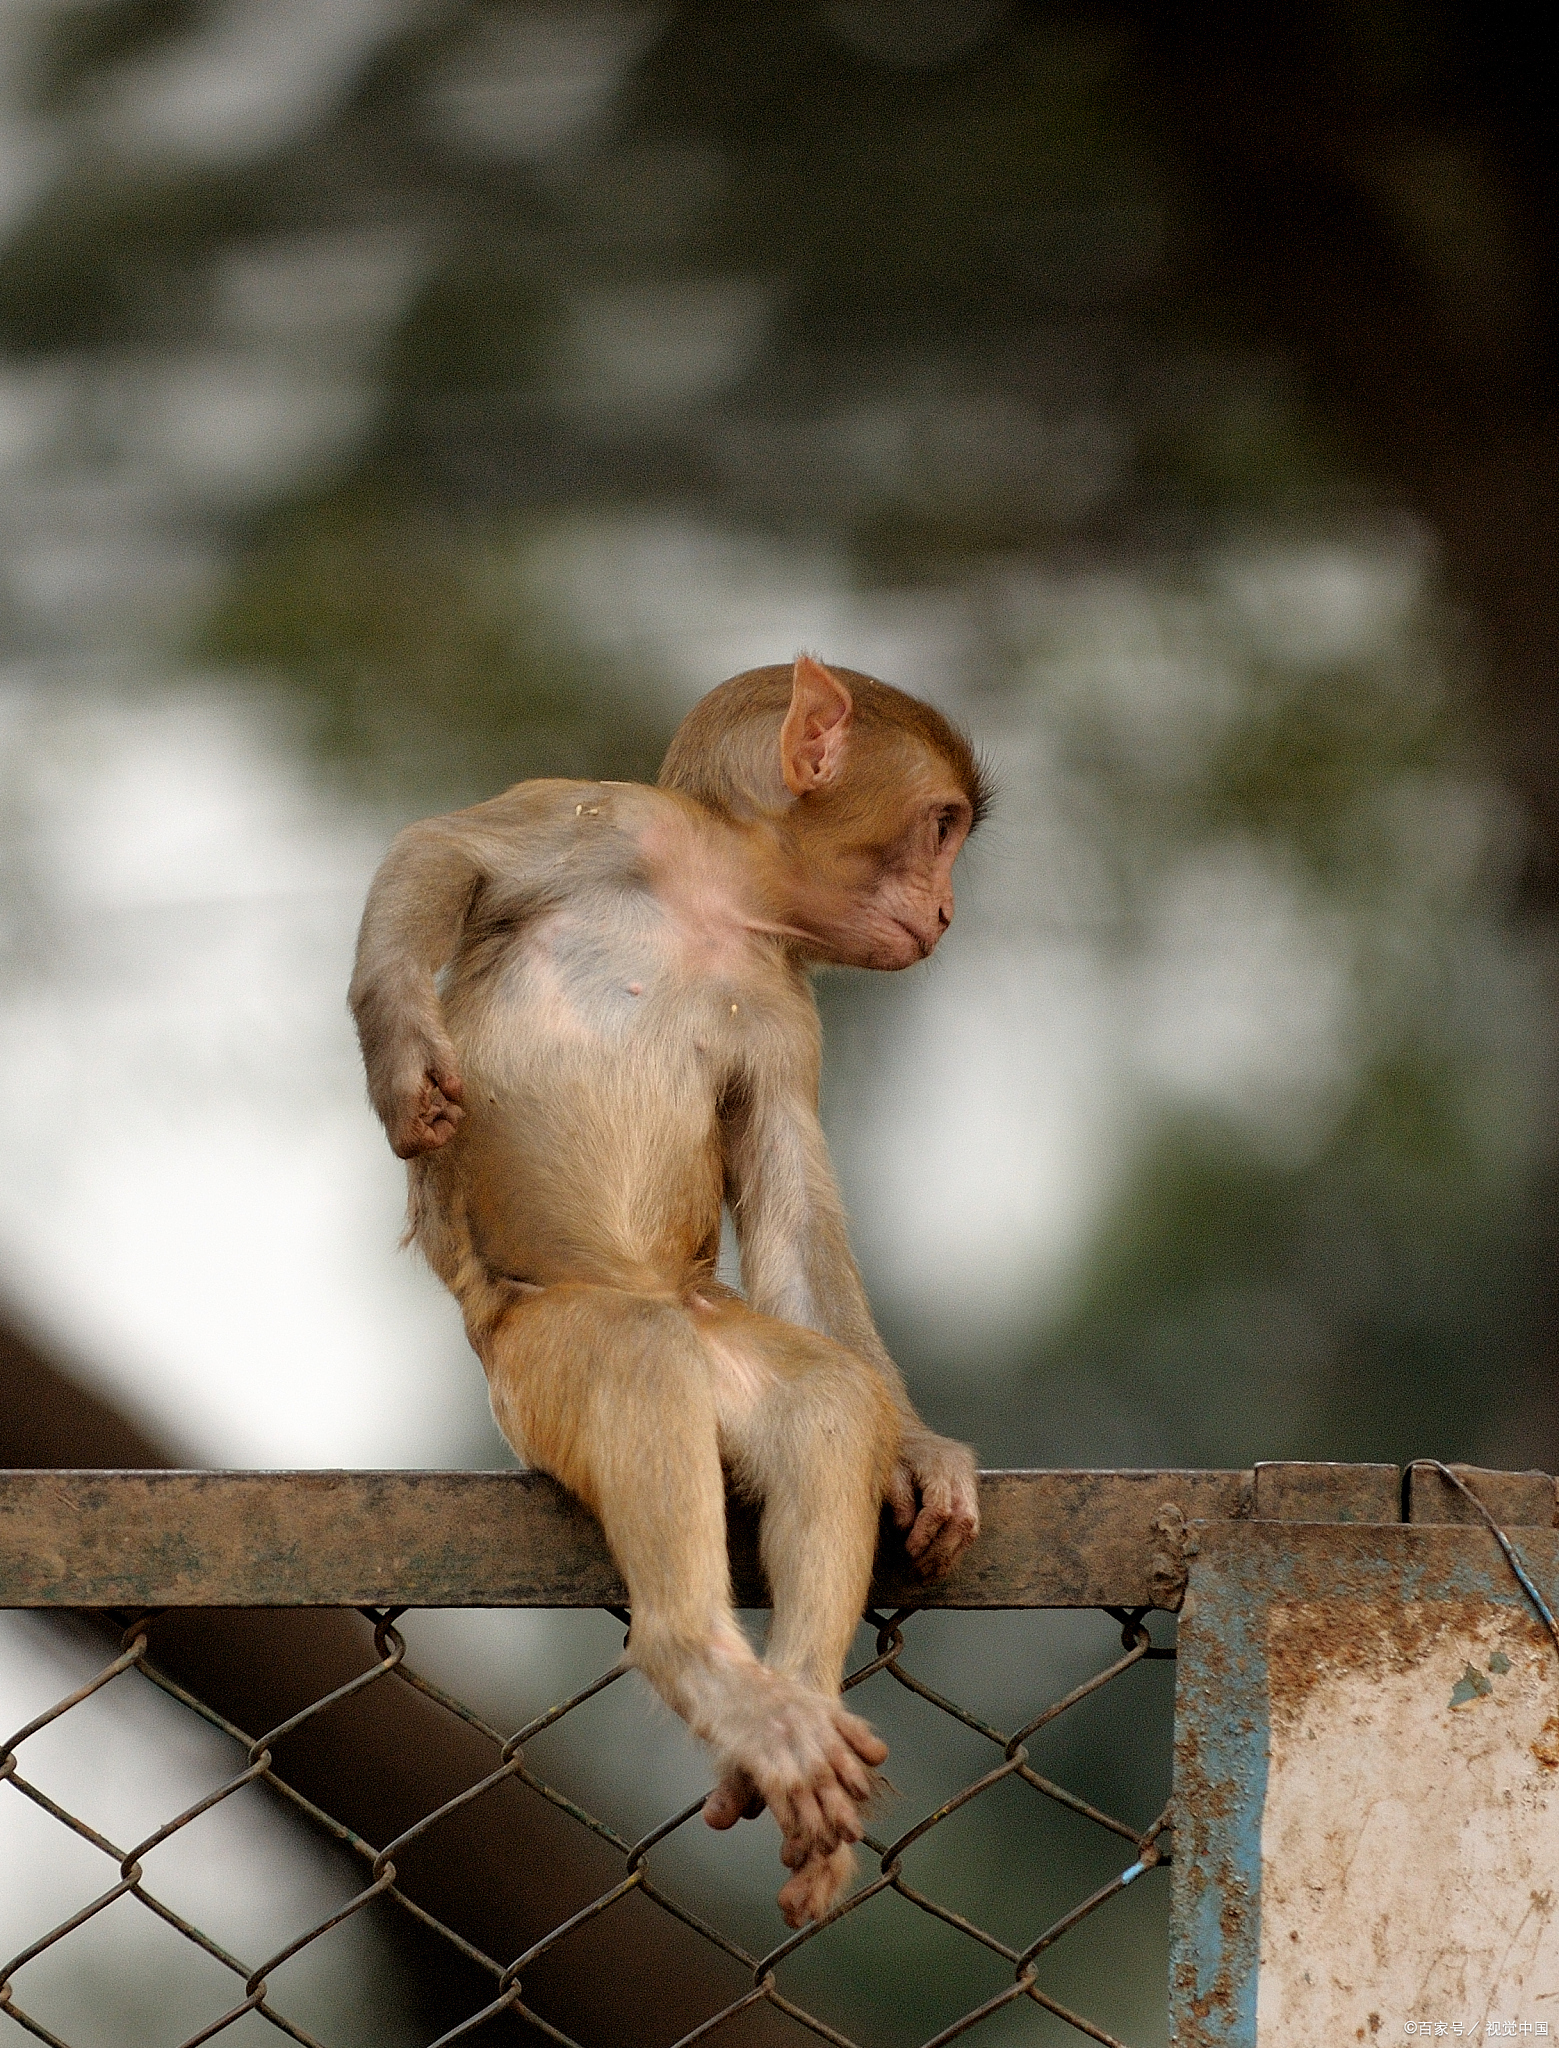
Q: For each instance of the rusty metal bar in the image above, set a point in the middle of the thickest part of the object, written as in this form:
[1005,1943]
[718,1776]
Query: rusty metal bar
[1514,1499]
[499,1539]
[1320,1492]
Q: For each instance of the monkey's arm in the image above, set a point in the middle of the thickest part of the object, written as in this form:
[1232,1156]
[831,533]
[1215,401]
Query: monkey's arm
[797,1265]
[434,876]
[411,926]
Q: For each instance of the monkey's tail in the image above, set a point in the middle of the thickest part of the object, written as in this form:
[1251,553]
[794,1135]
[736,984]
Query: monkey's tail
[437,1224]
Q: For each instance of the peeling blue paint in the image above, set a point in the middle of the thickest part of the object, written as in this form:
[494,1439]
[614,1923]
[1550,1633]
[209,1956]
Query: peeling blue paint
[1240,1571]
[1472,1685]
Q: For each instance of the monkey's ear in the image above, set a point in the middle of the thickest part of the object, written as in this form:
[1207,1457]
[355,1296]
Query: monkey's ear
[813,735]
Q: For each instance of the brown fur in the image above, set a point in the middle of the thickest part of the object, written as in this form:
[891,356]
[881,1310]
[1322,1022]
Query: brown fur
[586,1023]
[724,753]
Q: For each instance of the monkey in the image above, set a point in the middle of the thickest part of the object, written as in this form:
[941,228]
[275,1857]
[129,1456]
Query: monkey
[587,1024]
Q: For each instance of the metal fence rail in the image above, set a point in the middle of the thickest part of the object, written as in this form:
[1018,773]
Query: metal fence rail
[139,1547]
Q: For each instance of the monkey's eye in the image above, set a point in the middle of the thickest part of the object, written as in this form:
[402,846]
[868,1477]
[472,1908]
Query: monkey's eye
[944,825]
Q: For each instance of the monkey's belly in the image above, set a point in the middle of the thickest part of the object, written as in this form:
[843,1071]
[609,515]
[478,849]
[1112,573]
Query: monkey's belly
[614,1178]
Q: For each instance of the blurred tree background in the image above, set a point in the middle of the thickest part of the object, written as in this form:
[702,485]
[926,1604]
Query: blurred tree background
[455,391]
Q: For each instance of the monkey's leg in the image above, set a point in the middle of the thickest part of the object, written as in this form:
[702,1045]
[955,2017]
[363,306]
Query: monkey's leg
[814,1431]
[614,1394]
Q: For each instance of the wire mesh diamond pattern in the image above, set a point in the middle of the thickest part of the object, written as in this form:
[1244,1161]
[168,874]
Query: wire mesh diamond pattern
[890,1866]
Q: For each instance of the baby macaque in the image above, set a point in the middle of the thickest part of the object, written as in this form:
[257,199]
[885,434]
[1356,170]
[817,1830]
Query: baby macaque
[587,1024]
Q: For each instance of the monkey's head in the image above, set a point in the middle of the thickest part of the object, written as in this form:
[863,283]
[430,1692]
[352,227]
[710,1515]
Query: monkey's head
[867,794]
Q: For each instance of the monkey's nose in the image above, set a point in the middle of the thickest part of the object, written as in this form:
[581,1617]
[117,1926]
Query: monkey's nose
[944,915]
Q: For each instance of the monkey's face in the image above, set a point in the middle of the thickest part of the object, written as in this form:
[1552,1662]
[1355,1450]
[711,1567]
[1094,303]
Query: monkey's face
[880,864]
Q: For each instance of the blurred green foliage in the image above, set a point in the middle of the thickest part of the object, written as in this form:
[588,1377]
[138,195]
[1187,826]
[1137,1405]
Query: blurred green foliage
[979,333]
[968,330]
[408,632]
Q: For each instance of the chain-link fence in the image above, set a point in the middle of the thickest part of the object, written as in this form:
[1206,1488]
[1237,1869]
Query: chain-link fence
[976,1871]
[129,1869]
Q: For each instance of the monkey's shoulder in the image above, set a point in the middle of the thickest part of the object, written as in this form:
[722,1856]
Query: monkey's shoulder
[546,836]
[560,805]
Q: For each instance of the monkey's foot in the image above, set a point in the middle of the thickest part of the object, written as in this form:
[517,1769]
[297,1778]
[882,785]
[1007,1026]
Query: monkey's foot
[735,1798]
[813,1764]
[816,1884]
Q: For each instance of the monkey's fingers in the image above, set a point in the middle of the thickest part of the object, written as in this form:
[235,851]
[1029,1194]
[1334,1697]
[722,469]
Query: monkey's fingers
[901,1496]
[796,1850]
[929,1524]
[940,1536]
[442,1118]
[433,1120]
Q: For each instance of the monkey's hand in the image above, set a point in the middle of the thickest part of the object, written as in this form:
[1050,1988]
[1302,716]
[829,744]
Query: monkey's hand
[935,1497]
[423,1109]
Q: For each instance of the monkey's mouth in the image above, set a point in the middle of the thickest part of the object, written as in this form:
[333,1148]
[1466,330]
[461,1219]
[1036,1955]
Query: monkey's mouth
[923,944]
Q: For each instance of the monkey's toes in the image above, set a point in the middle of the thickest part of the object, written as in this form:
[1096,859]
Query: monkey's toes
[863,1739]
[812,1763]
[816,1818]
[815,1885]
[735,1798]
[841,1810]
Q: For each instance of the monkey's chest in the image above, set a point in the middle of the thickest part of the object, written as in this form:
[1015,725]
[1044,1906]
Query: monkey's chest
[595,1067]
[645,990]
